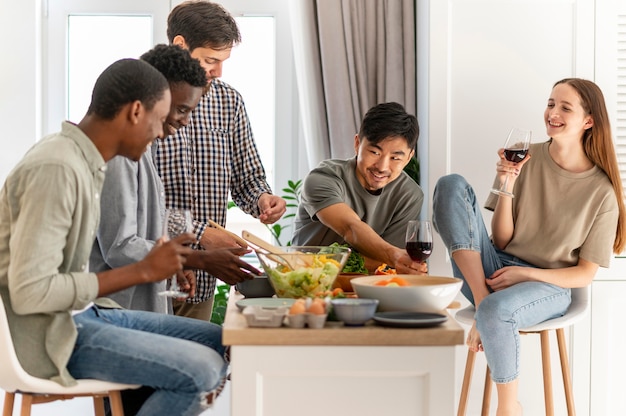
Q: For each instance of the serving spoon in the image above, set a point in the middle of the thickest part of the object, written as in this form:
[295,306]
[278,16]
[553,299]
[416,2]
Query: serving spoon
[269,248]
[291,259]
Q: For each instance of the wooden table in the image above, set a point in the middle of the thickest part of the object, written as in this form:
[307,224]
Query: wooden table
[337,370]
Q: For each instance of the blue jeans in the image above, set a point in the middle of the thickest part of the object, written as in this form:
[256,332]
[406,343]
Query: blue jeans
[458,220]
[181,358]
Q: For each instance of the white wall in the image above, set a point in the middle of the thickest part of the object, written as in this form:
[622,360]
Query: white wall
[20,80]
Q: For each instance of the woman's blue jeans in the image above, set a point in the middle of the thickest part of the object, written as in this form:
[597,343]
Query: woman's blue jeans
[458,220]
[181,358]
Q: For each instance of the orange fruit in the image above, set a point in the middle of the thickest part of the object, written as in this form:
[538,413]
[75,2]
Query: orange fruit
[394,281]
[400,281]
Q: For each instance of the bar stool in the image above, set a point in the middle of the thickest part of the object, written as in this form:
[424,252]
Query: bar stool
[576,311]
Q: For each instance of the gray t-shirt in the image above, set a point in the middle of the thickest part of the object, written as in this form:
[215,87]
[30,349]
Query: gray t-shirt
[334,181]
[559,215]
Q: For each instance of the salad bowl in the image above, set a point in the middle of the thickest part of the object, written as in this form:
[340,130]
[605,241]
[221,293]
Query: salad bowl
[303,271]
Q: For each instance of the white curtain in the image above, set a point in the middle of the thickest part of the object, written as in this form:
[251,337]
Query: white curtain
[350,55]
[309,80]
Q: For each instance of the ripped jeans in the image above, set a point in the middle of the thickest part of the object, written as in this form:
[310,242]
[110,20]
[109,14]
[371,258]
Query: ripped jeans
[181,358]
[458,220]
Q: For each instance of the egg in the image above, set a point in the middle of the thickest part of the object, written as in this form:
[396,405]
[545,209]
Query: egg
[298,307]
[318,307]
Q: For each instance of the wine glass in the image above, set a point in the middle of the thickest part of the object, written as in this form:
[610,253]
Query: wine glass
[175,223]
[515,150]
[419,240]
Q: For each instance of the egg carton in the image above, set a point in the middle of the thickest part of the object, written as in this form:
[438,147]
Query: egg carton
[257,316]
[311,320]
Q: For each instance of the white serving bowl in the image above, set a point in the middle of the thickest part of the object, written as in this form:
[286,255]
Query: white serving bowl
[423,294]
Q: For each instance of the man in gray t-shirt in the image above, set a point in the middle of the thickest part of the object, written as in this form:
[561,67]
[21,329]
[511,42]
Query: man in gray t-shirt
[366,201]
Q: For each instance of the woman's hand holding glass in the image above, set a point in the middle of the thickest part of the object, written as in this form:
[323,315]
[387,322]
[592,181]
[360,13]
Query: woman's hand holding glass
[512,158]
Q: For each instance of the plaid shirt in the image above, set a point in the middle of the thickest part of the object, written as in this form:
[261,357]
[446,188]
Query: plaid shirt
[215,153]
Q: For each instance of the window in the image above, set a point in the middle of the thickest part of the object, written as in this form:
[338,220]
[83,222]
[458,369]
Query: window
[88,51]
[83,38]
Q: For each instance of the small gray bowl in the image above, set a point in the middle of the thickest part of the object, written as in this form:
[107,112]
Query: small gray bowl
[354,311]
[259,287]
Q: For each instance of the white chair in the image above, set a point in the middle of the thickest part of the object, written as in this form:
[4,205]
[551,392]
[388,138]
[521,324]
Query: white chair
[14,380]
[577,311]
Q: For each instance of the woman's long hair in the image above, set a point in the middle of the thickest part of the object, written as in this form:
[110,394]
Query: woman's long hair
[599,148]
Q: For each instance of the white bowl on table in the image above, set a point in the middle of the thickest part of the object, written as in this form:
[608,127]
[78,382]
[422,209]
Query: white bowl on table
[354,311]
[423,294]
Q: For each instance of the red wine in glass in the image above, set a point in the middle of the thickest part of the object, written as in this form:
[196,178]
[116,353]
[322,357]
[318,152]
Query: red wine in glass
[515,150]
[419,250]
[515,155]
[419,240]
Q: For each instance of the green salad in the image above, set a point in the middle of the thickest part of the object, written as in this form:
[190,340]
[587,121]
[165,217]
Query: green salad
[304,281]
[355,262]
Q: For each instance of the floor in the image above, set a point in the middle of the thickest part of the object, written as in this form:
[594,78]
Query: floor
[84,406]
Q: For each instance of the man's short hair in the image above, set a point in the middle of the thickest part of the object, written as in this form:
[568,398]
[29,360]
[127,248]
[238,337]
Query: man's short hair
[389,120]
[176,64]
[123,82]
[203,24]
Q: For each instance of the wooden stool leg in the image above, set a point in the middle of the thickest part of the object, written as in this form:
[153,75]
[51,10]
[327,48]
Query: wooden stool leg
[115,399]
[567,378]
[547,372]
[487,393]
[27,403]
[467,378]
[98,405]
[9,400]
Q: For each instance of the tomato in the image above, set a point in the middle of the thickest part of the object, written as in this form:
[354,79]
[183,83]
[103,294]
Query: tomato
[335,293]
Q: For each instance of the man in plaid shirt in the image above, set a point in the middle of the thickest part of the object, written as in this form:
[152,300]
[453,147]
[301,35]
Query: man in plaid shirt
[216,152]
